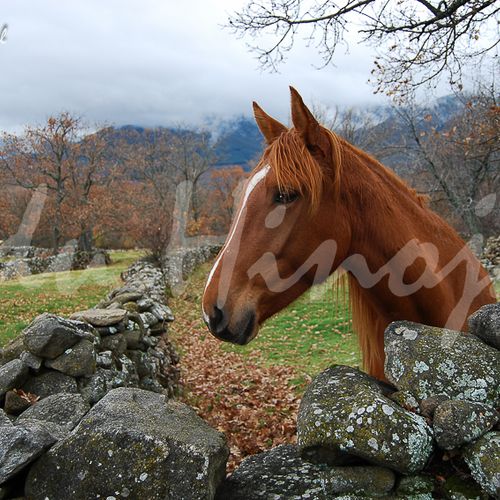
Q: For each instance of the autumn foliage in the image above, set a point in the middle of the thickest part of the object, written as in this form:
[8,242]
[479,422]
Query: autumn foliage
[110,189]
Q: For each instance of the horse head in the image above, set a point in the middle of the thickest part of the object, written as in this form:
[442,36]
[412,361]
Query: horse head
[290,230]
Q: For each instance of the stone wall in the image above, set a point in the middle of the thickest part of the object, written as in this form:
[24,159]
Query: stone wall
[179,264]
[33,260]
[21,252]
[58,368]
[432,431]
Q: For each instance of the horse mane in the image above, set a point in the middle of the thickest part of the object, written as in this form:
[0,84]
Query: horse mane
[296,169]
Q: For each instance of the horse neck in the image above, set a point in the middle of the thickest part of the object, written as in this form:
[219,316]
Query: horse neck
[384,212]
[386,216]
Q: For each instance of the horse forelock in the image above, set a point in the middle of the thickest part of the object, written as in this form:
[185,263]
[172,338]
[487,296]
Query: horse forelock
[296,169]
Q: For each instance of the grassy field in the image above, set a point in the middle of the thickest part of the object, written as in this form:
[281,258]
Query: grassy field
[62,293]
[310,334]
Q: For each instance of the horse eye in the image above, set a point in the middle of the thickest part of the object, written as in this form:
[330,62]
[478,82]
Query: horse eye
[285,197]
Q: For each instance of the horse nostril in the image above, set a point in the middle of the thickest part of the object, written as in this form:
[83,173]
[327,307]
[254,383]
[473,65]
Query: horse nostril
[217,320]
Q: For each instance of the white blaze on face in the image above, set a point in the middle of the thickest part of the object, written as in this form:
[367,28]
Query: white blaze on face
[252,184]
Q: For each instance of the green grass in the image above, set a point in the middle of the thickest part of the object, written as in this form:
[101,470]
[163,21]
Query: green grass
[62,293]
[310,334]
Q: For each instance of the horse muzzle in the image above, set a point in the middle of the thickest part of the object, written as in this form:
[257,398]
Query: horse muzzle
[223,327]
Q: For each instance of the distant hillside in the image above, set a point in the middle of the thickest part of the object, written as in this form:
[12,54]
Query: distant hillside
[239,142]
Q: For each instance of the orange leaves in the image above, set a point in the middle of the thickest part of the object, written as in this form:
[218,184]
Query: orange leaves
[253,404]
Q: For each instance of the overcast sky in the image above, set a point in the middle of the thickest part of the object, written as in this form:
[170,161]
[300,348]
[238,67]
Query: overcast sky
[153,62]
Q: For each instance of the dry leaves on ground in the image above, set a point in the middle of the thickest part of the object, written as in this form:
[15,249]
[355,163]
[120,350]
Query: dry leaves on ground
[252,403]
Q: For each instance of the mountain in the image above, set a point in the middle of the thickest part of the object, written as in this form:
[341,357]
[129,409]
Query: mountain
[239,142]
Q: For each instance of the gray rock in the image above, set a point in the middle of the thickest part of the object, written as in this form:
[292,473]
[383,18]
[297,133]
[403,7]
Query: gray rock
[428,406]
[427,361]
[111,330]
[76,361]
[117,344]
[344,411]
[282,473]
[101,317]
[125,297]
[31,361]
[130,307]
[483,459]
[12,376]
[15,403]
[485,324]
[150,341]
[459,422]
[145,304]
[94,388]
[63,409]
[367,481]
[98,385]
[4,419]
[158,329]
[151,384]
[405,399]
[105,359]
[415,486]
[162,312]
[128,370]
[277,473]
[149,319]
[50,382]
[12,350]
[21,445]
[458,487]
[136,319]
[56,431]
[144,365]
[137,443]
[48,336]
[134,339]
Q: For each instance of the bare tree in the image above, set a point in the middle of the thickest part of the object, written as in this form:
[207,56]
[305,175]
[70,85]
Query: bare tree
[193,155]
[163,159]
[359,127]
[418,40]
[460,162]
[43,155]
[94,165]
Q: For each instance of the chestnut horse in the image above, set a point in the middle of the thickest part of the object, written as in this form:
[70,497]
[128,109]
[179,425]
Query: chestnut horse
[315,203]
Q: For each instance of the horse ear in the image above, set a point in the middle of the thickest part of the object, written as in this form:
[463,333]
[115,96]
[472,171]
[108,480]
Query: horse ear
[307,126]
[271,129]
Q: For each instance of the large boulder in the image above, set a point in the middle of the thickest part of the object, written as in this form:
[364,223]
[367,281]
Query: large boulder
[483,459]
[21,445]
[459,422]
[429,361]
[282,473]
[345,412]
[137,444]
[485,324]
[48,336]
